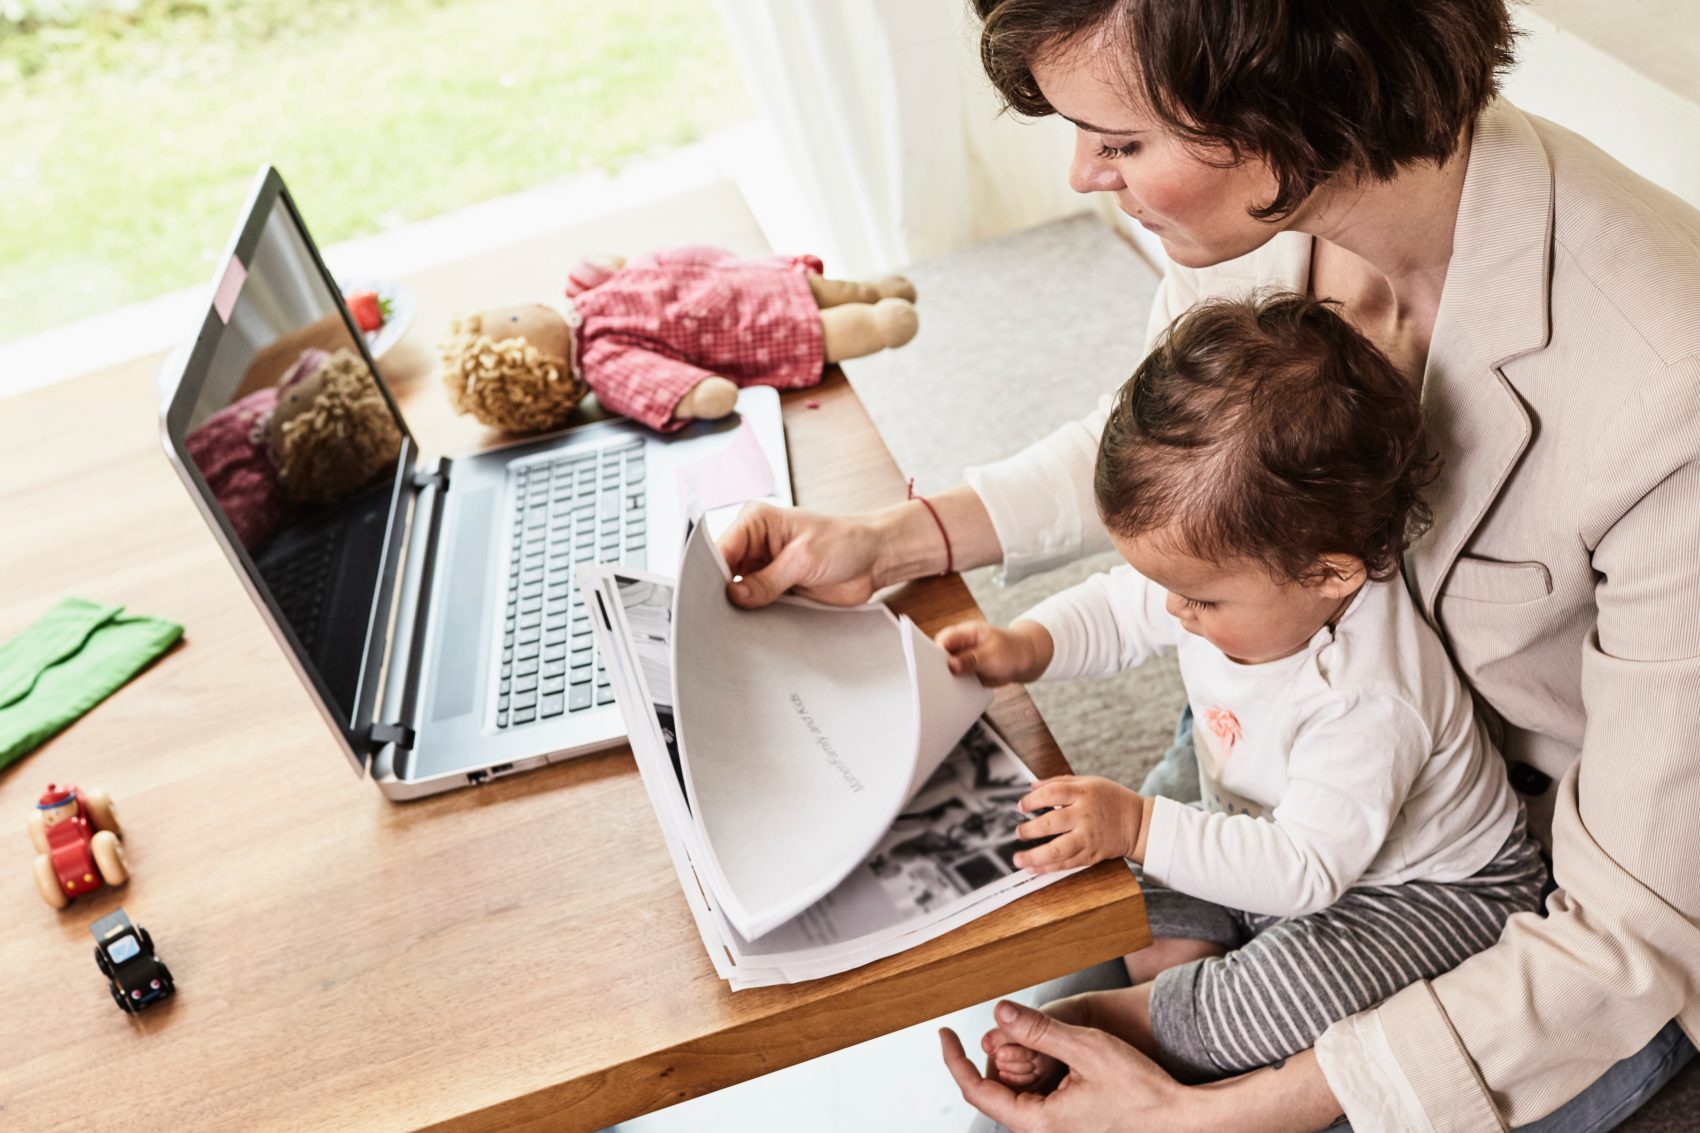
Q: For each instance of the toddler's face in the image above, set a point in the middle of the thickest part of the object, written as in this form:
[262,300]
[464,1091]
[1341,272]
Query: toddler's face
[1239,607]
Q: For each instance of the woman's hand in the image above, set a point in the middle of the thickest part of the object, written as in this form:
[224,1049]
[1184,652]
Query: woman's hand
[997,656]
[842,560]
[1110,1086]
[828,558]
[1087,820]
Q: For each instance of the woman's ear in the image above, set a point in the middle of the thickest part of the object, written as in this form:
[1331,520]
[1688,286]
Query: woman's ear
[1337,575]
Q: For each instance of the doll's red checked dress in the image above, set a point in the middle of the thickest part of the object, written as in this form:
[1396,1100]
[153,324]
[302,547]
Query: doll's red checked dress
[652,330]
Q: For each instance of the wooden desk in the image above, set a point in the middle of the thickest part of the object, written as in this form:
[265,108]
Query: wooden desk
[516,956]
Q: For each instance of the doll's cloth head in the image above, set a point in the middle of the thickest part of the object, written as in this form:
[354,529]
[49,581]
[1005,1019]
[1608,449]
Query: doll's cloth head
[512,368]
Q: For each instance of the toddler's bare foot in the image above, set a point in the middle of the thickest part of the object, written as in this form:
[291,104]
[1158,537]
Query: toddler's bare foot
[1020,1068]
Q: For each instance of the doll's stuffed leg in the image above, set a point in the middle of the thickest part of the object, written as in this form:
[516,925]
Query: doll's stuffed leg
[708,400]
[852,330]
[833,292]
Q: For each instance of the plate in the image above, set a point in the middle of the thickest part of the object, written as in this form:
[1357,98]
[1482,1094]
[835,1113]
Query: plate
[397,298]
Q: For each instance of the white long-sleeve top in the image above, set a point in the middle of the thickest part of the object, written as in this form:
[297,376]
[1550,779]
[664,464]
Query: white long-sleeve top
[1358,760]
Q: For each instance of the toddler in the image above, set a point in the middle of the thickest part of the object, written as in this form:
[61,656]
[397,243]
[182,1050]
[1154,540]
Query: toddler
[1261,474]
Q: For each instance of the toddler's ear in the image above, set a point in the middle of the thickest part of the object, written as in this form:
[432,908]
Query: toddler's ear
[1337,575]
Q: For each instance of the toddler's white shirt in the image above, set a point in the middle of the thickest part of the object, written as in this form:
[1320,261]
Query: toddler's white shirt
[1358,760]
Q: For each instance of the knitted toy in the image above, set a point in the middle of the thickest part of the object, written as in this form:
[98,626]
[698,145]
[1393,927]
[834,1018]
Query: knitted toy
[668,338]
[312,440]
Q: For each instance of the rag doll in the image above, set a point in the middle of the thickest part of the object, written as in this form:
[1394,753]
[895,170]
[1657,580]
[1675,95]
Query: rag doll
[668,338]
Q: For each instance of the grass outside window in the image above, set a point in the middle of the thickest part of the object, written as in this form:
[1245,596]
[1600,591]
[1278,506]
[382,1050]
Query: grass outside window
[130,137]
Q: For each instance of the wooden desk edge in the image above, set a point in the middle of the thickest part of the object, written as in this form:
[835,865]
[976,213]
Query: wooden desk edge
[949,983]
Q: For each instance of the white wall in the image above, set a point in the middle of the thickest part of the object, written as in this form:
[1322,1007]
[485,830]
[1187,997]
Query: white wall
[1625,74]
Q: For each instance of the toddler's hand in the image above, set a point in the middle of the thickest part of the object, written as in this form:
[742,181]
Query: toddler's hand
[1089,820]
[1021,1068]
[998,656]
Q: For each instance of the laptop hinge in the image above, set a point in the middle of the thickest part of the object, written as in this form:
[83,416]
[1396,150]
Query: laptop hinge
[397,734]
[438,476]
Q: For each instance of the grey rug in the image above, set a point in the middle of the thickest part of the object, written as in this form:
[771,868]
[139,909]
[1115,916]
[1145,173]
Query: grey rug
[1018,336]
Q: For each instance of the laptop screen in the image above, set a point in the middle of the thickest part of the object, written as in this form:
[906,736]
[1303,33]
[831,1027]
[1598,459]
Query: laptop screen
[296,450]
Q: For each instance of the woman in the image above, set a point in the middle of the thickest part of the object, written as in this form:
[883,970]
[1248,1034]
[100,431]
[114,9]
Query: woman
[1545,297]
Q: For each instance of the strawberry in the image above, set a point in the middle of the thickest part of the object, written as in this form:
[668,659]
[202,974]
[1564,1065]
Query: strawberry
[367,311]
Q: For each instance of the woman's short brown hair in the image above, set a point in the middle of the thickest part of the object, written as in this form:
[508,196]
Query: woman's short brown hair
[1268,430]
[1312,87]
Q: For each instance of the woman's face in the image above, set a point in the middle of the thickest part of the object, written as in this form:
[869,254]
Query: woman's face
[1198,209]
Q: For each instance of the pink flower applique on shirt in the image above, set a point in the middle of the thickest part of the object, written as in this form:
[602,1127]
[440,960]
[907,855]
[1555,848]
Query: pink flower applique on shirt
[1225,726]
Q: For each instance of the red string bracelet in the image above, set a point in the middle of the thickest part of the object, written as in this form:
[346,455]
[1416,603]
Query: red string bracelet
[949,558]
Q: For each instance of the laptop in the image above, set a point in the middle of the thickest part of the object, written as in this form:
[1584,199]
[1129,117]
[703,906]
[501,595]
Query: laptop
[429,604]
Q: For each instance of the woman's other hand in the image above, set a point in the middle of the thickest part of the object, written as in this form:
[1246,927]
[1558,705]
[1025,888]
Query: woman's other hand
[997,656]
[1107,1080]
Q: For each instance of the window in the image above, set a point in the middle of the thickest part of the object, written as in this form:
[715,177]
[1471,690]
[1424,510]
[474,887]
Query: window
[133,127]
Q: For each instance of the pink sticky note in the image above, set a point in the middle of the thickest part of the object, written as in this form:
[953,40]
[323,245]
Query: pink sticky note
[737,472]
[224,299]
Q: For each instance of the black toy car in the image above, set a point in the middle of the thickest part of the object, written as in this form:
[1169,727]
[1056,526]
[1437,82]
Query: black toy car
[124,952]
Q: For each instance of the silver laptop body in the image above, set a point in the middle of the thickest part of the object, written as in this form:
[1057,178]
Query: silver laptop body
[431,611]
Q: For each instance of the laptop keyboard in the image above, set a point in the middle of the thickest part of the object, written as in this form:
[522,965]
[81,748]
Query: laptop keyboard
[585,506]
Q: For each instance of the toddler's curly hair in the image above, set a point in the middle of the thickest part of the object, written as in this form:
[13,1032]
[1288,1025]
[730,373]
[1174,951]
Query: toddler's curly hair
[1268,429]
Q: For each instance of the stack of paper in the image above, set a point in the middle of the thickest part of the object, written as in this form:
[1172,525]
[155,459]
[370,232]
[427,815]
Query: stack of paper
[828,792]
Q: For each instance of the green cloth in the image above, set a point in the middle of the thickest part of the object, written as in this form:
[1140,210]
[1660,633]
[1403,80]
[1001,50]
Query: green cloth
[77,655]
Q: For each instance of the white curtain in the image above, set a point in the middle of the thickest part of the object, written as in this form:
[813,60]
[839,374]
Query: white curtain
[891,131]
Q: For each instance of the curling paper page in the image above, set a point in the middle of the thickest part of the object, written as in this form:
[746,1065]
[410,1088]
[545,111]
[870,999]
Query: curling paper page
[945,704]
[797,732]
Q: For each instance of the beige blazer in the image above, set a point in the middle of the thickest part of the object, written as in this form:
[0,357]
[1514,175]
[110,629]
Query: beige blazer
[1563,572]
[1563,385]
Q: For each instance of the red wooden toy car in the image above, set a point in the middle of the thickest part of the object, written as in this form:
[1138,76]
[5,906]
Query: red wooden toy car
[75,835]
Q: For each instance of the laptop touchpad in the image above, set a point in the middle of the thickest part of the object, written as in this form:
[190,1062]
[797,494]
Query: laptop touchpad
[460,609]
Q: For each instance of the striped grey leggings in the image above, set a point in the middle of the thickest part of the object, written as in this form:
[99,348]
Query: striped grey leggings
[1286,979]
